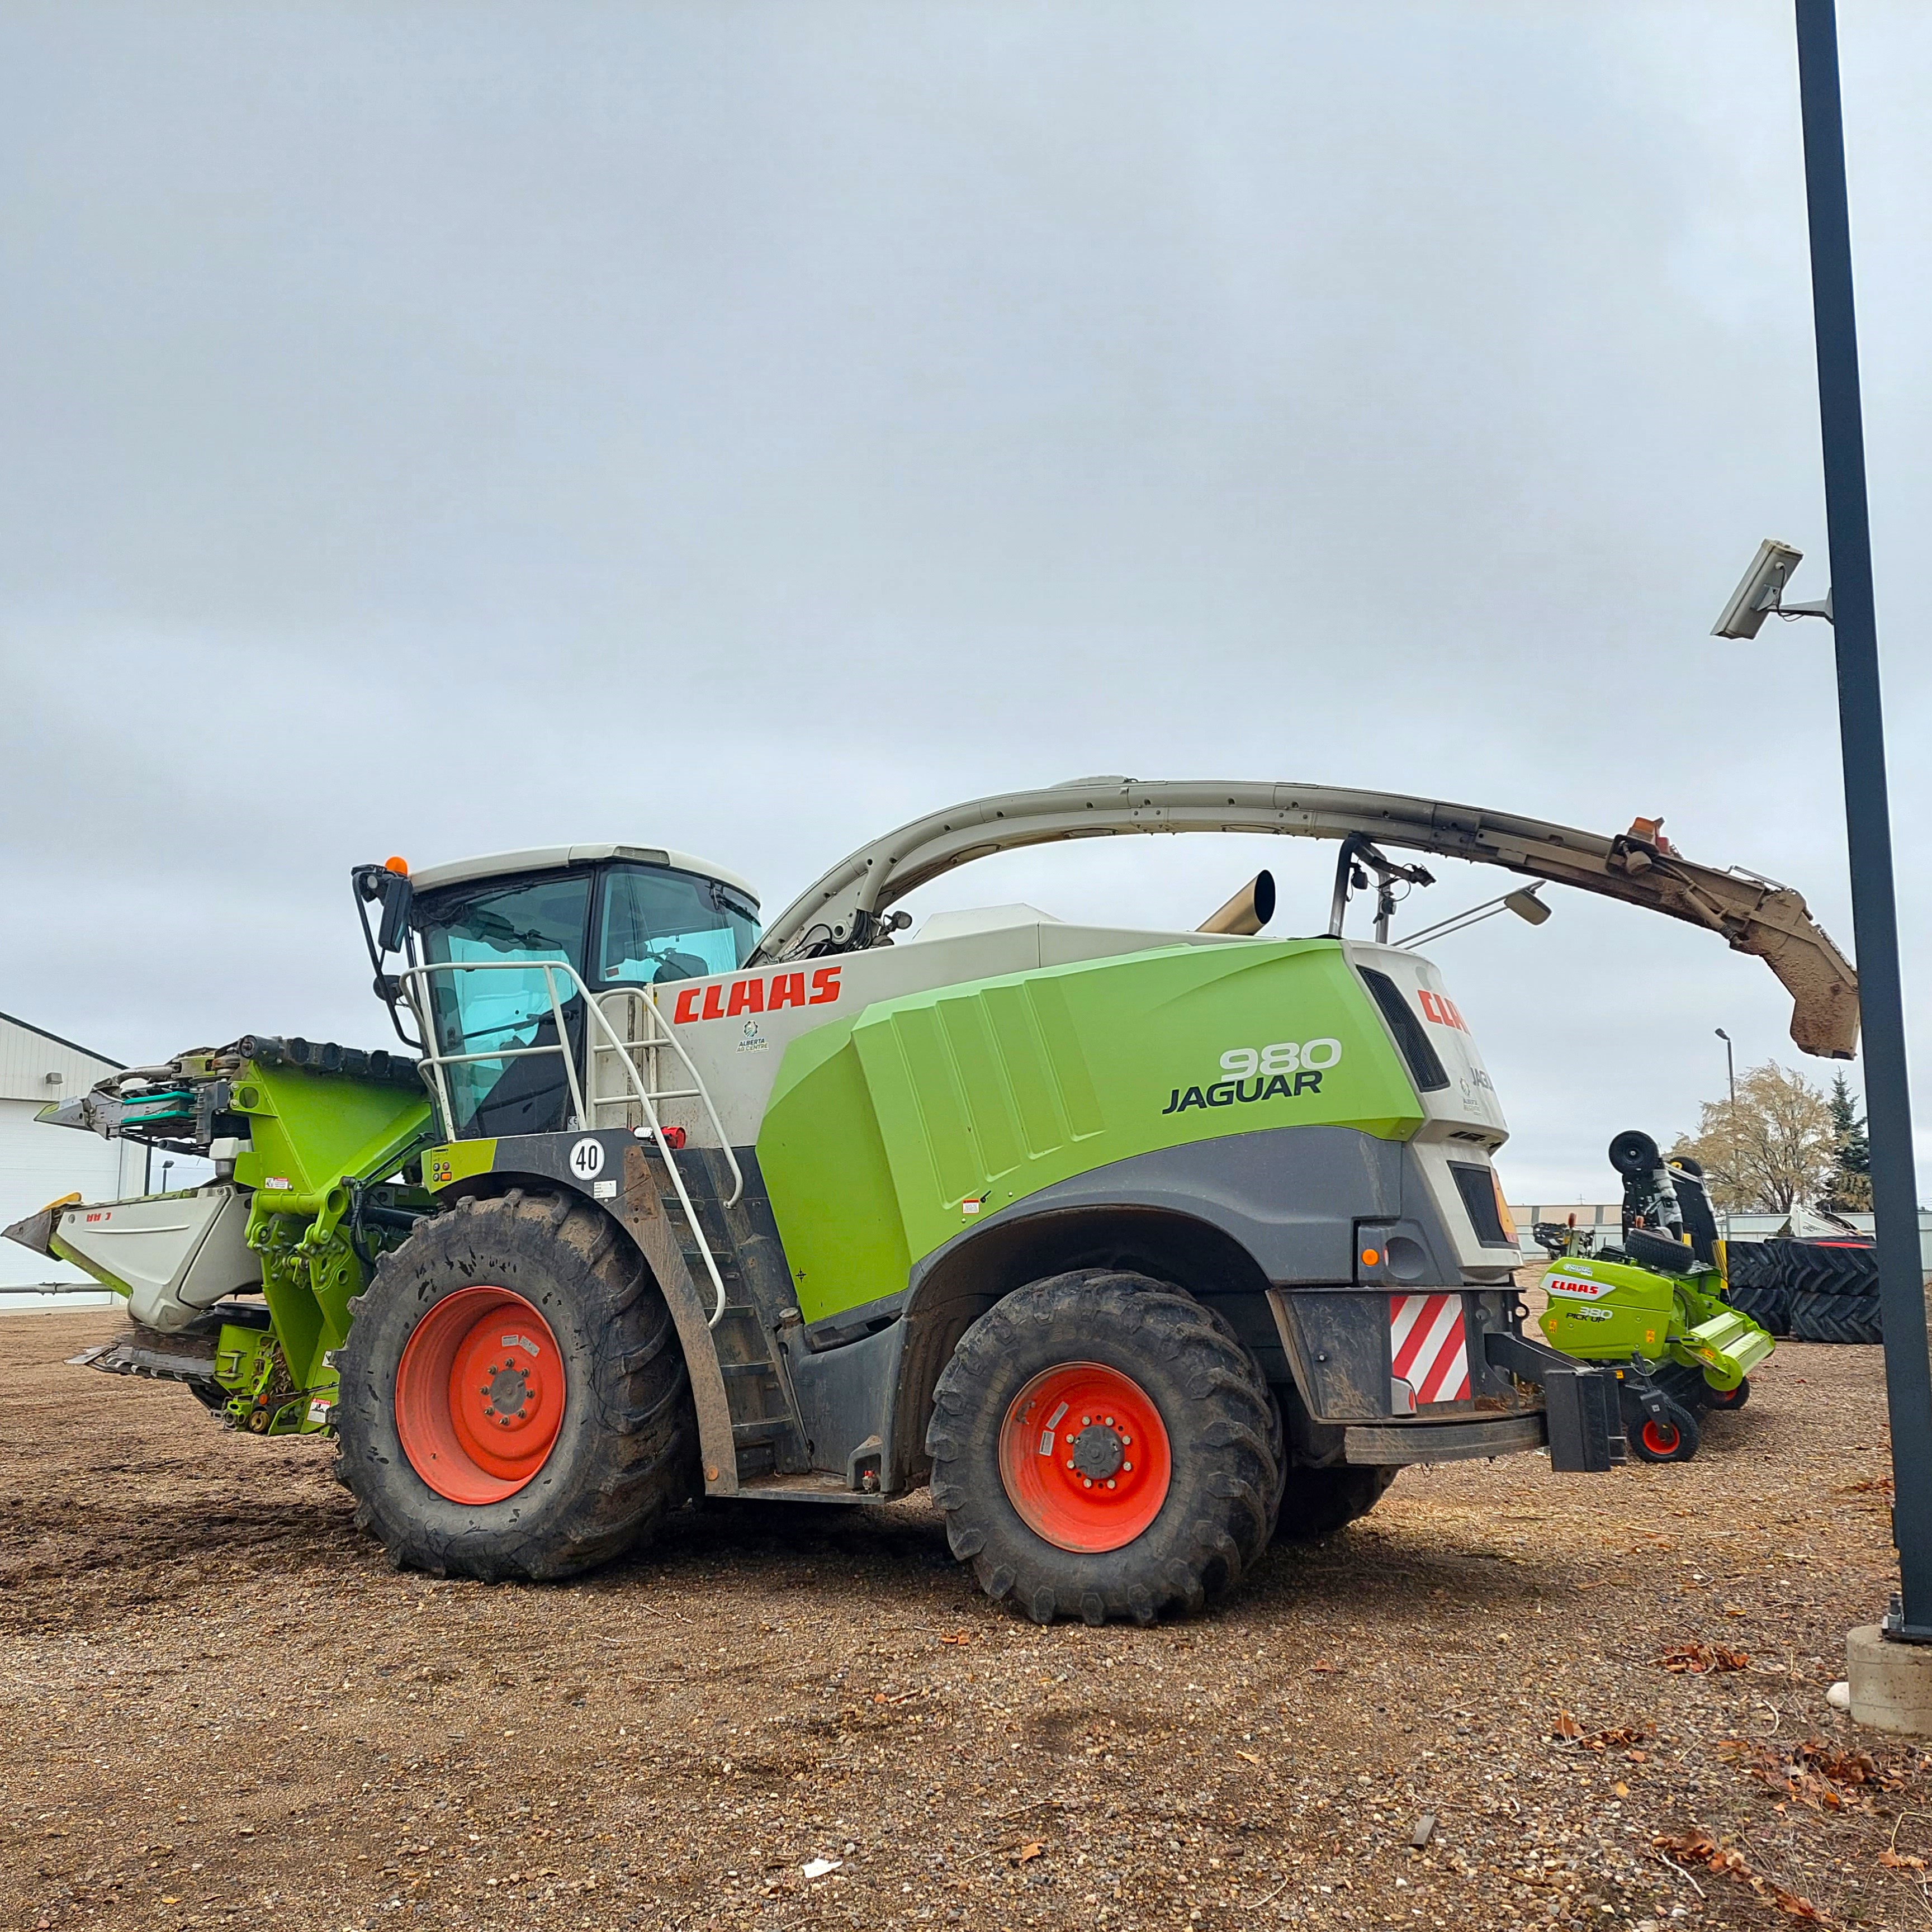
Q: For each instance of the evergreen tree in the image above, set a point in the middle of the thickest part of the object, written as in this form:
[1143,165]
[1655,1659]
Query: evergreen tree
[1850,1184]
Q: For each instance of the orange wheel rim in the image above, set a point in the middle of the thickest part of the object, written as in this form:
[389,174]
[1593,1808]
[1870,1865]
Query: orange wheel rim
[1084,1458]
[479,1395]
[1659,1438]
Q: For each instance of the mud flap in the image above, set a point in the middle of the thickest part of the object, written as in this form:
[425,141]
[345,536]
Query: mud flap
[1581,1400]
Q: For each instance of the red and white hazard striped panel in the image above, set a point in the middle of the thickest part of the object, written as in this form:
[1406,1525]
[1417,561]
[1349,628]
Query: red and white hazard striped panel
[1427,1349]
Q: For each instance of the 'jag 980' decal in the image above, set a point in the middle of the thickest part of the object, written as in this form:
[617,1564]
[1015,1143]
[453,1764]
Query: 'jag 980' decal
[1279,1072]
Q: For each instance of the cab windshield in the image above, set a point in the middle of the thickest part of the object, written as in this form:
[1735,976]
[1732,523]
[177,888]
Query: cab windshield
[509,927]
[642,924]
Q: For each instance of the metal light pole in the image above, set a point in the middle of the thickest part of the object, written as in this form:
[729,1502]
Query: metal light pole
[1731,1079]
[1868,821]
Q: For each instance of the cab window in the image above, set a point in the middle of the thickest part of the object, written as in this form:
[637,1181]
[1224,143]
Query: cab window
[655,924]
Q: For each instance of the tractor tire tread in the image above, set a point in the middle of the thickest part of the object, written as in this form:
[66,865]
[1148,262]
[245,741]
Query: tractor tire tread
[1836,1318]
[634,1456]
[1220,1437]
[1318,1502]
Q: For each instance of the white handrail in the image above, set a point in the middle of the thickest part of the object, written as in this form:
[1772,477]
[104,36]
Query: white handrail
[437,1061]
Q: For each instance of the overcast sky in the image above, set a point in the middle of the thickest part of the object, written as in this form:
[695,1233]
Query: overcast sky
[436,430]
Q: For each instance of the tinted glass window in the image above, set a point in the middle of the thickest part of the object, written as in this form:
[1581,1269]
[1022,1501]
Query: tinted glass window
[1425,1068]
[512,926]
[661,925]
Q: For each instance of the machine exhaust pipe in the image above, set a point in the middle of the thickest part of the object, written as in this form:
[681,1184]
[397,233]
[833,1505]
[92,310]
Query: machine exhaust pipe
[1247,912]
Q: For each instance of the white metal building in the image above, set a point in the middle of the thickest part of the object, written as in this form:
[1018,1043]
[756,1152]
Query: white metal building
[39,1163]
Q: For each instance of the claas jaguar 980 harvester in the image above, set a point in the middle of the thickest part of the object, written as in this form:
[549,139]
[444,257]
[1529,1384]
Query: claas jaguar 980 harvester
[1135,1245]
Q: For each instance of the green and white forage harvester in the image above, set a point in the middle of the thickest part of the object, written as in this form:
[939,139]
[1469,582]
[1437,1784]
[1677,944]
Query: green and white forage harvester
[1135,1245]
[1655,1309]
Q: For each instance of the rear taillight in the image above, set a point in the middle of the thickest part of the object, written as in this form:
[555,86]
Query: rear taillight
[1506,1220]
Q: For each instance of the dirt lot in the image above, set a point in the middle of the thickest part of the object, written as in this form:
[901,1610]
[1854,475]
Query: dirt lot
[220,1706]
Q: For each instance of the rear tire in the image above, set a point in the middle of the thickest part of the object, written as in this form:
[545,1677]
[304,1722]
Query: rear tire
[1035,1530]
[1318,1502]
[623,1451]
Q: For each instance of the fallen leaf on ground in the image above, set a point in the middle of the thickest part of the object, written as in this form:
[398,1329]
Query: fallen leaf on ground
[1701,1659]
[1817,1774]
[1697,1848]
[1616,1737]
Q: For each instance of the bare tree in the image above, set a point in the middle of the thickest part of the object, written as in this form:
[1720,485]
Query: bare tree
[1776,1149]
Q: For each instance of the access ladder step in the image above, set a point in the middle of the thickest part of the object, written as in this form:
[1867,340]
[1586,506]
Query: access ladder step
[768,1429]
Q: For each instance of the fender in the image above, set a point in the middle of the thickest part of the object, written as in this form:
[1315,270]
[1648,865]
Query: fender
[653,1237]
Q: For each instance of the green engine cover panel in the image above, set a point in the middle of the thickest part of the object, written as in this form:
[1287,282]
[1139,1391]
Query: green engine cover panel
[889,1133]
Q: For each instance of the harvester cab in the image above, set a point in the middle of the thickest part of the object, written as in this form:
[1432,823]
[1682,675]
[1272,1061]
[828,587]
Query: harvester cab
[503,960]
[1657,1308]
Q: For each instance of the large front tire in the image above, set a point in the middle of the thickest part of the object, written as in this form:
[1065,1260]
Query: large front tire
[514,1402]
[1100,1449]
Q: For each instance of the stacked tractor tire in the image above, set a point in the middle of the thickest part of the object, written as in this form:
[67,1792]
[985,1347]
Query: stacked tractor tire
[1811,1291]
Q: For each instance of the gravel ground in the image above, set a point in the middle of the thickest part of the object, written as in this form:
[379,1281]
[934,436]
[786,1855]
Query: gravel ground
[221,1707]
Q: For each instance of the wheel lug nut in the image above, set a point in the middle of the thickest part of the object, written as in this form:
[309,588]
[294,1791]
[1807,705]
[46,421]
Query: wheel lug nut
[1126,1467]
[1088,1481]
[1110,1482]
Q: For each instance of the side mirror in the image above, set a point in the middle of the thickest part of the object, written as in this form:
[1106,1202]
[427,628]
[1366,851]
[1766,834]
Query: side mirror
[390,887]
[398,896]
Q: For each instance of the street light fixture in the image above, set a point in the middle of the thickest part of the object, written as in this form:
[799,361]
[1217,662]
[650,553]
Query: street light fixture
[1731,1080]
